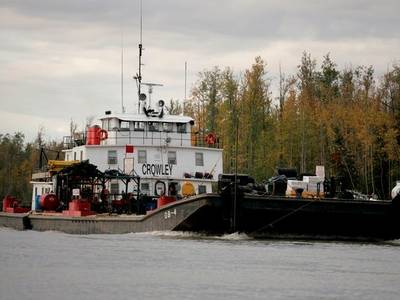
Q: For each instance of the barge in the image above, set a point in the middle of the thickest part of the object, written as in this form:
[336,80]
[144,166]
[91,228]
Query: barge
[238,206]
[256,215]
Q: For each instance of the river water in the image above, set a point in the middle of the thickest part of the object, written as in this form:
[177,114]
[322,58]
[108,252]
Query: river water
[53,265]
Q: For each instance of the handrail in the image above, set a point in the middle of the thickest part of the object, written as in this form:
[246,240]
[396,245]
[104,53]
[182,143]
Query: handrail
[195,140]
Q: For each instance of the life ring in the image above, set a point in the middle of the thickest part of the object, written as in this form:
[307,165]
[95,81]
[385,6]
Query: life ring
[211,139]
[103,135]
[188,189]
[163,189]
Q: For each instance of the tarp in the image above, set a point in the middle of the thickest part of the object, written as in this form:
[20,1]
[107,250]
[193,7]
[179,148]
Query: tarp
[58,165]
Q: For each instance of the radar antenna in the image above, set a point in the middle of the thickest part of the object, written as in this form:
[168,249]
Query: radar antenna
[150,86]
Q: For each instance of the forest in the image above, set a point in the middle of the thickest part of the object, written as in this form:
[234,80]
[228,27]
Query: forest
[347,120]
[19,159]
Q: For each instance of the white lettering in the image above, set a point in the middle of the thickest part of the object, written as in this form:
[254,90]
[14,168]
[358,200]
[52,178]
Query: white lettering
[169,213]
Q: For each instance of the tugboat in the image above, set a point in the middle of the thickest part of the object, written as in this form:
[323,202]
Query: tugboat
[161,149]
[131,163]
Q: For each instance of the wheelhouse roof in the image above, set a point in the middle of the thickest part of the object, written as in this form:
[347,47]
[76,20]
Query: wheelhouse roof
[144,118]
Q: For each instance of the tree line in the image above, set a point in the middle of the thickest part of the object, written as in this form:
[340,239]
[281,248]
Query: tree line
[347,120]
[18,160]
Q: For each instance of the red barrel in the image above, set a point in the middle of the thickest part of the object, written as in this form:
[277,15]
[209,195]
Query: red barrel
[95,135]
[164,200]
[9,201]
[79,205]
[49,202]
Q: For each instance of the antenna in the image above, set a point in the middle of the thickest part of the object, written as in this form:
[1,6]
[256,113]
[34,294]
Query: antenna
[185,79]
[138,76]
[122,71]
[184,99]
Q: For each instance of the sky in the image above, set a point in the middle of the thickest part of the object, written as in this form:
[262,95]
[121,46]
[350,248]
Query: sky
[61,60]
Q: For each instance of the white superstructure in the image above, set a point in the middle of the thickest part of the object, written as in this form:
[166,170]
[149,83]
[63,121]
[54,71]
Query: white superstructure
[164,149]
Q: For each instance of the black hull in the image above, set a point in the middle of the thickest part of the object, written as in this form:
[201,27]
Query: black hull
[309,218]
[258,216]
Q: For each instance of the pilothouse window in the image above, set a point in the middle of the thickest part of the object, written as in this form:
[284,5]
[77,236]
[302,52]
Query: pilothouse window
[139,126]
[154,126]
[167,127]
[124,125]
[104,124]
[181,127]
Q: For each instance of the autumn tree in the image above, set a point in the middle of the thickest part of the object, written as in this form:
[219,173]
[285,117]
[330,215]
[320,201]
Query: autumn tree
[341,119]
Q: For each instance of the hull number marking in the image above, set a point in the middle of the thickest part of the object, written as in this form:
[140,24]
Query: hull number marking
[169,213]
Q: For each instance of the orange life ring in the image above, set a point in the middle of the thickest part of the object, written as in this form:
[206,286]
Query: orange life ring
[211,139]
[103,135]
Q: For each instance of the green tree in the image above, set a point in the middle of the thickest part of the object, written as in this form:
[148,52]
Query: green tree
[15,166]
[207,95]
[175,107]
[329,80]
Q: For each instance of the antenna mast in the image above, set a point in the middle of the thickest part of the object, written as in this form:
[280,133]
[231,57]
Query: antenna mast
[185,79]
[184,99]
[140,45]
[122,71]
[138,76]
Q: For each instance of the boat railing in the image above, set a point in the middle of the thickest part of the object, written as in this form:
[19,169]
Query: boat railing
[147,139]
[322,198]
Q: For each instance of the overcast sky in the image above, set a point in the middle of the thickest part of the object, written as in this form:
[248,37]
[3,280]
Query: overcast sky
[62,59]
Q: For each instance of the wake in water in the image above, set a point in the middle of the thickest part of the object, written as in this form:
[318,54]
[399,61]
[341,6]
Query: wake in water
[236,236]
[182,235]
[242,237]
[395,243]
